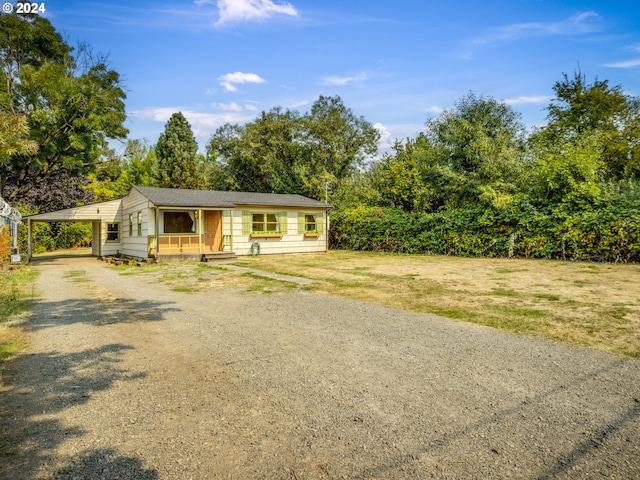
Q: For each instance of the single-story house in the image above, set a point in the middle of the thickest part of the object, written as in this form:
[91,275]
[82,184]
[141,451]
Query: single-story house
[171,223]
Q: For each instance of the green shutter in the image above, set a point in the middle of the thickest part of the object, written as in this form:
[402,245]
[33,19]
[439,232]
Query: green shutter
[247,218]
[282,222]
[320,222]
[300,222]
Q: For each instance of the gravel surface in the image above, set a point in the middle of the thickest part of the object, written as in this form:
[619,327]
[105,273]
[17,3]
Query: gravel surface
[126,379]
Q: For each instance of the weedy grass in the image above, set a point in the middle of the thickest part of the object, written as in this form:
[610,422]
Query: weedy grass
[16,291]
[76,276]
[16,299]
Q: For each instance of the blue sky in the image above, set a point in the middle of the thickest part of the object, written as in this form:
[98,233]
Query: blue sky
[396,63]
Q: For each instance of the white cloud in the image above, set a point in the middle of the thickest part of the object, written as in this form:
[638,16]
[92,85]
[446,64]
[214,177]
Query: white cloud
[386,139]
[228,107]
[627,64]
[341,81]
[233,11]
[299,104]
[202,124]
[527,99]
[235,107]
[435,110]
[229,80]
[585,22]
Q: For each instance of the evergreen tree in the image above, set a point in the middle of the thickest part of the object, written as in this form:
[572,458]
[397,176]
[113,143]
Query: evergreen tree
[178,165]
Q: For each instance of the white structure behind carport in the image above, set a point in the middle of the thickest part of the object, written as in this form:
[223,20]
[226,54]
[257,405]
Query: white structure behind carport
[99,214]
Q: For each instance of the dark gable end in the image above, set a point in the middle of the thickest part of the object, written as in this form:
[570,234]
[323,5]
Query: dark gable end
[177,197]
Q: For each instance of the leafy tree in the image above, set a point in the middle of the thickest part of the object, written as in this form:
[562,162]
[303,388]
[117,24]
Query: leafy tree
[581,109]
[73,104]
[399,177]
[178,163]
[571,173]
[285,152]
[14,140]
[114,178]
[261,156]
[472,154]
[338,142]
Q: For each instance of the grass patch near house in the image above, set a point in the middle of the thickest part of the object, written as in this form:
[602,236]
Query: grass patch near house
[185,289]
[16,299]
[585,304]
[16,291]
[77,276]
[192,277]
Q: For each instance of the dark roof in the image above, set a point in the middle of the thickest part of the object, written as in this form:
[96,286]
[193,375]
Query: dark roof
[178,197]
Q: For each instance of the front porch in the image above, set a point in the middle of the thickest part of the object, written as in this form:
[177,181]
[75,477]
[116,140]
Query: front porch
[189,235]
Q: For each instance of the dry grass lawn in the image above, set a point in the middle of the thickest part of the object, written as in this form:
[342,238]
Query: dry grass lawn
[596,305]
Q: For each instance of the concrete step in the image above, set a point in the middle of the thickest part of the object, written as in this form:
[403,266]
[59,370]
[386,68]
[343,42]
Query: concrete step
[218,257]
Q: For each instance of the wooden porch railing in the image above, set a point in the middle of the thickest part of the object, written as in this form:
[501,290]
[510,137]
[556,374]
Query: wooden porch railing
[174,243]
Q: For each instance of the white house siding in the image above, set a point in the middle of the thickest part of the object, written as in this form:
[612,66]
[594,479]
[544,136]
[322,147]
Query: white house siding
[290,242]
[135,245]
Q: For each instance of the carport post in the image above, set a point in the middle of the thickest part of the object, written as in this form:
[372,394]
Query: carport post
[28,239]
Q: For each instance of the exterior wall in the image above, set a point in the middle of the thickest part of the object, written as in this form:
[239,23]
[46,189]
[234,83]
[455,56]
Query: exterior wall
[291,242]
[134,244]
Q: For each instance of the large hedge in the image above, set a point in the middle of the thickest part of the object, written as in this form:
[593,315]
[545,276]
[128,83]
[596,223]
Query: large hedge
[608,234]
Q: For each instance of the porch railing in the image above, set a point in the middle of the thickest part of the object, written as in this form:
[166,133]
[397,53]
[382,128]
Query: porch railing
[174,243]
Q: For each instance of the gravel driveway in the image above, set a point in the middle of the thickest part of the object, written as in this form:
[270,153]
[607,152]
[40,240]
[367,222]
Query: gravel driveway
[126,379]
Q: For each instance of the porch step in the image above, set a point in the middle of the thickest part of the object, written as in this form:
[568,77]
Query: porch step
[218,257]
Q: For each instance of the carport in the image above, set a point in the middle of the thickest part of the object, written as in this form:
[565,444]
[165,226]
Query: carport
[101,215]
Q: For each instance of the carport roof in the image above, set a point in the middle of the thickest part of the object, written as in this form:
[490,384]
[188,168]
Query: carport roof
[178,197]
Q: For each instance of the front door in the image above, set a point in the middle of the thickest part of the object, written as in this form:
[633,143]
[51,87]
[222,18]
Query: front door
[212,230]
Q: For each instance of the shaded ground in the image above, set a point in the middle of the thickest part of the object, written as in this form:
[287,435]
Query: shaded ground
[127,378]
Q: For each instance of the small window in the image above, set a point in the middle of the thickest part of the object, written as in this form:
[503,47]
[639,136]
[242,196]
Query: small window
[310,224]
[131,224]
[265,223]
[139,224]
[113,232]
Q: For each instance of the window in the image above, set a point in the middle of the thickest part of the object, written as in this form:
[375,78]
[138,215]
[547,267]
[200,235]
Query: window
[139,224]
[131,224]
[265,223]
[310,224]
[113,232]
[177,222]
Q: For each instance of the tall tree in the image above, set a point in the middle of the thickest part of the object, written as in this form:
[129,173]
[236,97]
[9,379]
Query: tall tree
[72,102]
[477,153]
[582,110]
[285,152]
[261,156]
[179,165]
[114,178]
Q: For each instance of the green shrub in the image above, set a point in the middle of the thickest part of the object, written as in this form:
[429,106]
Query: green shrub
[609,234]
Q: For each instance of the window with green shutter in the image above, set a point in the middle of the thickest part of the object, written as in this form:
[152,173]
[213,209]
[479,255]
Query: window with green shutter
[264,222]
[310,223]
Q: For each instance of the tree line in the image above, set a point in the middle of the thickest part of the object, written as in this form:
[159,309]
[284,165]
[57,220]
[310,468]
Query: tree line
[475,181]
